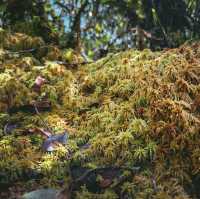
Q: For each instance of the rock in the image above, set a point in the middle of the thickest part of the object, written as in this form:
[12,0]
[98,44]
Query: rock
[41,194]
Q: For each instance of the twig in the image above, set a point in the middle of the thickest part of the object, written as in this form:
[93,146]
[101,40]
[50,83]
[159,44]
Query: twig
[73,64]
[67,7]
[27,51]
[44,123]
[154,184]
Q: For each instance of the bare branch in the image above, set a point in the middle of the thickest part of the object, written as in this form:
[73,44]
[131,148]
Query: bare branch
[66,7]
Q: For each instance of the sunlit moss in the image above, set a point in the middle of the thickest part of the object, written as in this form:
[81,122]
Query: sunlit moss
[129,109]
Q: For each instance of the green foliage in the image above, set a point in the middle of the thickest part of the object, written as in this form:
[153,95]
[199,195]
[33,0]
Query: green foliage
[100,24]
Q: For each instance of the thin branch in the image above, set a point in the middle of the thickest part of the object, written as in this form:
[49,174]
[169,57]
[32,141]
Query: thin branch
[162,27]
[73,64]
[64,6]
[28,50]
[43,121]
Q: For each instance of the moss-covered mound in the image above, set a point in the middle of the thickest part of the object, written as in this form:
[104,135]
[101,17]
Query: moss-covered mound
[126,110]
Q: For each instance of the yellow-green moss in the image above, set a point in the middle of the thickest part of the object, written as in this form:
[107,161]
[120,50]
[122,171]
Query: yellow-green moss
[131,108]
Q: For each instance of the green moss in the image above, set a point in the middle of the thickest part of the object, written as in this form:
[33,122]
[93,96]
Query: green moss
[132,108]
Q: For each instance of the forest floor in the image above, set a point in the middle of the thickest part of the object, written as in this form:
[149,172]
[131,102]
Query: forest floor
[60,117]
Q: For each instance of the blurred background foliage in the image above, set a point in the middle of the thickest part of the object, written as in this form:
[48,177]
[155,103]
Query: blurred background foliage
[133,108]
[104,25]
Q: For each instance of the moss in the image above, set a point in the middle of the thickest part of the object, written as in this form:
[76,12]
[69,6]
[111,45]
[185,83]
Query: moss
[132,108]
